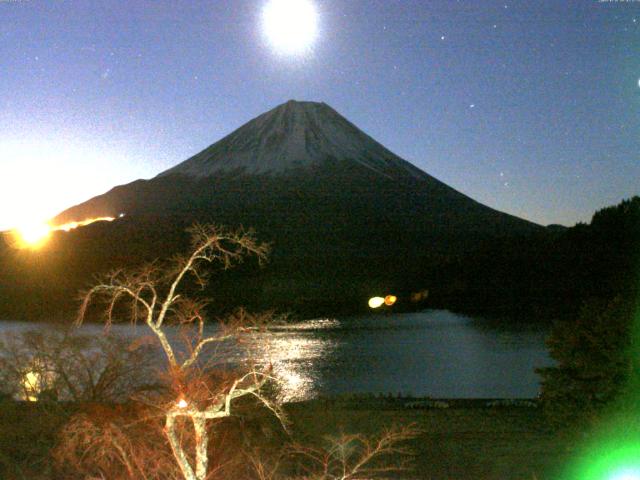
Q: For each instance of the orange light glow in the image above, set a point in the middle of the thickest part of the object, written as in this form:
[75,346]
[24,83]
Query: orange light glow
[390,300]
[420,296]
[35,234]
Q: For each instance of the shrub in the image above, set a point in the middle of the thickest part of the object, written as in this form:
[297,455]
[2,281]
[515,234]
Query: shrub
[597,361]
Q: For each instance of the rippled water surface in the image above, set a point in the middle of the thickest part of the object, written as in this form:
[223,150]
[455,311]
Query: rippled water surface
[432,353]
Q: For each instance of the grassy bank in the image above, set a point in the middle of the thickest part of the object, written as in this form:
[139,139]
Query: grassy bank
[465,440]
[458,440]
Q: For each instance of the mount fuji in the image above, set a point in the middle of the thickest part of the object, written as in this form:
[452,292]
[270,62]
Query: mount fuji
[347,218]
[293,154]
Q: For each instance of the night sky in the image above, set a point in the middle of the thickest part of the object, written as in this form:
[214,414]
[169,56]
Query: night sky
[530,107]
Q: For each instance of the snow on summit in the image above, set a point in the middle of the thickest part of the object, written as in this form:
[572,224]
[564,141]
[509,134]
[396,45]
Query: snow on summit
[294,134]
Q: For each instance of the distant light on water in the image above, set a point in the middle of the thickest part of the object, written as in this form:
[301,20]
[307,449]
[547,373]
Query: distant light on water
[376,302]
[419,296]
[390,300]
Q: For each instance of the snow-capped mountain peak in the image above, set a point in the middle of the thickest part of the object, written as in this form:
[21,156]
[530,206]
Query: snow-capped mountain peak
[292,135]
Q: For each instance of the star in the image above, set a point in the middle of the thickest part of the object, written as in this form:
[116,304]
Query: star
[442,37]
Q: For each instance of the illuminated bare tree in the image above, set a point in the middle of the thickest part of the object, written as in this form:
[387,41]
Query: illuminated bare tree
[155,297]
[345,457]
[358,457]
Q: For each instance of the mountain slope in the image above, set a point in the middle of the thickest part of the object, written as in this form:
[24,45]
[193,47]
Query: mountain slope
[347,218]
[294,147]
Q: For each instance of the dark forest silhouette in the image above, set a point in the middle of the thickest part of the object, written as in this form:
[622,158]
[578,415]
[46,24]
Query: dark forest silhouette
[547,272]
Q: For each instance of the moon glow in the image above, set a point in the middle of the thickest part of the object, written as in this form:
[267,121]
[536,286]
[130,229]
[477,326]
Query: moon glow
[291,26]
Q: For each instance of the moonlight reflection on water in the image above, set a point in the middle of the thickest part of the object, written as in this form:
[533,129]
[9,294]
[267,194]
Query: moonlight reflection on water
[295,363]
[296,352]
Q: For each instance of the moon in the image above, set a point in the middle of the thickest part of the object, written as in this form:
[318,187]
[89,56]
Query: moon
[290,26]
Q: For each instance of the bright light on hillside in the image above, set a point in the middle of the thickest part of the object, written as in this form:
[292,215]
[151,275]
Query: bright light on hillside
[44,173]
[32,234]
[35,234]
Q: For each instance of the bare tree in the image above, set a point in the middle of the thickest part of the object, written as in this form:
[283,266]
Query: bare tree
[358,457]
[116,443]
[344,457]
[155,298]
[58,364]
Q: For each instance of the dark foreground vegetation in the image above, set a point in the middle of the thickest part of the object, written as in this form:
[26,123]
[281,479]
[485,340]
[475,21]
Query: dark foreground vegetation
[498,442]
[596,379]
[192,417]
[553,275]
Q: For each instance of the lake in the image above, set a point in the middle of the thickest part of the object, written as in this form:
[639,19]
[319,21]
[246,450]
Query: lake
[432,353]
